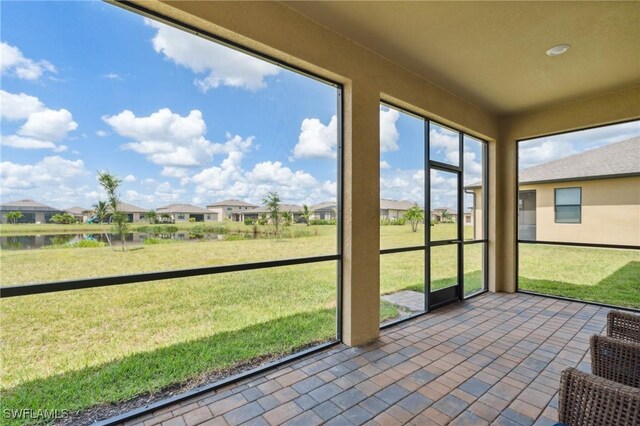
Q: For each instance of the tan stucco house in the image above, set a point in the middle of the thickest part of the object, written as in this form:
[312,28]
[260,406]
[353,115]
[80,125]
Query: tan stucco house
[32,211]
[184,212]
[591,197]
[229,209]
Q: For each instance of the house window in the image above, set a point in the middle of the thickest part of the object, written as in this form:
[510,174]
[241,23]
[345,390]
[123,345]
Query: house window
[568,205]
[180,216]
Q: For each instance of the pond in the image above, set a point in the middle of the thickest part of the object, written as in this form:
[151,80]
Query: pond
[30,242]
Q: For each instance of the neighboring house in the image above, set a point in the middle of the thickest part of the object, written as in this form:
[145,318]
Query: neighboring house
[327,210]
[229,209]
[469,218]
[184,212]
[444,215]
[134,213]
[77,212]
[253,214]
[32,211]
[591,197]
[393,209]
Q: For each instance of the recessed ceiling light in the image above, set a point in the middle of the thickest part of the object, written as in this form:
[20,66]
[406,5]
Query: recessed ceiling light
[558,50]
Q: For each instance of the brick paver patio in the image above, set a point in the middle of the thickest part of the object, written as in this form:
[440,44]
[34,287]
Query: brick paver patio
[495,359]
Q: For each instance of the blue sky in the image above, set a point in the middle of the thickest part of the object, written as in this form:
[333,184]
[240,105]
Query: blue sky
[87,86]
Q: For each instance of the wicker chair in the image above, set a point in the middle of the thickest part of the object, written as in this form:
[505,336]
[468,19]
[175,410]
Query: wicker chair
[623,326]
[616,360]
[588,400]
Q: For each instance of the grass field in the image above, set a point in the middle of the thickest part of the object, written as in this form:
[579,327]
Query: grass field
[76,349]
[600,275]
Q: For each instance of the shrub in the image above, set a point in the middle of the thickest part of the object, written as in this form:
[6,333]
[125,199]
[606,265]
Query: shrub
[63,219]
[192,220]
[248,221]
[322,222]
[154,241]
[385,221]
[88,244]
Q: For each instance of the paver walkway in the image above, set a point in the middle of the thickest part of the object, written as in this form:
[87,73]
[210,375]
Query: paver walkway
[411,300]
[495,359]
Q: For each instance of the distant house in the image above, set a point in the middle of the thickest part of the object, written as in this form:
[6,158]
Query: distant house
[393,209]
[134,213]
[77,212]
[184,212]
[254,214]
[444,215]
[327,210]
[229,209]
[32,211]
[591,197]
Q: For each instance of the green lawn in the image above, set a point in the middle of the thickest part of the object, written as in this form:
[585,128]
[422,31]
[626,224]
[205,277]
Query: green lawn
[607,276]
[76,349]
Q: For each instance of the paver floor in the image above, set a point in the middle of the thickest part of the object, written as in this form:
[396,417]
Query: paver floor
[495,359]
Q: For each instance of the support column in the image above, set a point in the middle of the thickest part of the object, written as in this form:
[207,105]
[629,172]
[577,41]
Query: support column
[361,212]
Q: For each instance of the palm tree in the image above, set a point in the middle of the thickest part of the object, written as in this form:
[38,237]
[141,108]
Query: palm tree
[306,214]
[101,211]
[287,217]
[272,203]
[151,216]
[414,215]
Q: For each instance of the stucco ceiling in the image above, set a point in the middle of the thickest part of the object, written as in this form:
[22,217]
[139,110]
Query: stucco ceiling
[493,53]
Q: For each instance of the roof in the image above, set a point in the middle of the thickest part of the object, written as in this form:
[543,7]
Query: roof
[232,203]
[325,205]
[130,208]
[27,204]
[182,208]
[442,209]
[620,158]
[386,204]
[293,208]
[76,210]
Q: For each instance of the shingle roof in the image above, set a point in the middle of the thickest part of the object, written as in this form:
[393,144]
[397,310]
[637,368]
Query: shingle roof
[232,203]
[76,210]
[182,208]
[386,204]
[30,205]
[130,208]
[325,205]
[620,158]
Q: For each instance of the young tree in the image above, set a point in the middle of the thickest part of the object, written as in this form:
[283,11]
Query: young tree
[414,215]
[13,217]
[272,203]
[119,220]
[165,218]
[151,216]
[306,214]
[262,219]
[287,218]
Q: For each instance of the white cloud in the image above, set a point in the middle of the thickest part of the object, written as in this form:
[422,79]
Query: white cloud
[384,165]
[48,125]
[129,178]
[537,152]
[18,106]
[388,132]
[222,65]
[101,133]
[52,180]
[43,127]
[444,144]
[173,141]
[112,76]
[317,140]
[13,62]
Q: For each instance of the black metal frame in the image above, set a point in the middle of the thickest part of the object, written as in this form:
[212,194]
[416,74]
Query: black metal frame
[442,298]
[555,205]
[52,287]
[519,241]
